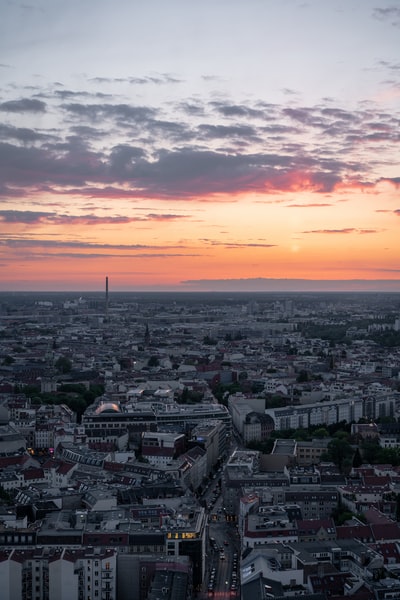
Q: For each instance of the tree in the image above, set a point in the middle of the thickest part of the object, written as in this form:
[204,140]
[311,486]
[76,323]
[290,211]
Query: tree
[209,341]
[301,435]
[76,404]
[398,507]
[302,376]
[341,453]
[369,450]
[6,496]
[8,360]
[357,459]
[264,446]
[63,364]
[153,361]
[341,515]
[321,432]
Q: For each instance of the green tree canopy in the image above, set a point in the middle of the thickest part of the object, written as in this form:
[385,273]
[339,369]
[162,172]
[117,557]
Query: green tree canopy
[63,364]
[341,453]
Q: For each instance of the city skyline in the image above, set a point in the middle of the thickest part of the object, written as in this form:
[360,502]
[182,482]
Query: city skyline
[184,147]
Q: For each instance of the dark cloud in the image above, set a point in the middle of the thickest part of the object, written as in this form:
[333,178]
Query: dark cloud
[310,205]
[67,94]
[169,130]
[393,180]
[24,105]
[88,133]
[40,217]
[249,245]
[109,79]
[341,231]
[23,134]
[164,217]
[14,242]
[245,132]
[183,173]
[123,113]
[237,110]
[193,149]
[161,79]
[332,231]
[239,244]
[31,167]
[339,114]
[101,192]
[302,115]
[389,65]
[20,216]
[188,172]
[192,108]
[391,14]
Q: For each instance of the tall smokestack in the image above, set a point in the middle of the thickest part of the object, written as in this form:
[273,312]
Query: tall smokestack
[107,297]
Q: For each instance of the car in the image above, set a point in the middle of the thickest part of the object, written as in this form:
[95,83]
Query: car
[222,555]
[226,543]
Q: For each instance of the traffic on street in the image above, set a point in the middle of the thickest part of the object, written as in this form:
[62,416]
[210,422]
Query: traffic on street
[222,576]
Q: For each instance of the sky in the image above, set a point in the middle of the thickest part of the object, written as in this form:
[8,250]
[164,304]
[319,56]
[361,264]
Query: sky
[214,145]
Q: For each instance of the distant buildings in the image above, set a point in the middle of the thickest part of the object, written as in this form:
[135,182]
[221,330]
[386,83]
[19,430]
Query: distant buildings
[108,501]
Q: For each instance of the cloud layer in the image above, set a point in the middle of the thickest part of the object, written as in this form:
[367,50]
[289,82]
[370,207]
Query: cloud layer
[204,150]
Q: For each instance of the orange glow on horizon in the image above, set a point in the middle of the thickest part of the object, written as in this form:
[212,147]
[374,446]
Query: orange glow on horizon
[290,234]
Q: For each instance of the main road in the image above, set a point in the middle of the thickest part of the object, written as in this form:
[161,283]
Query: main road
[222,566]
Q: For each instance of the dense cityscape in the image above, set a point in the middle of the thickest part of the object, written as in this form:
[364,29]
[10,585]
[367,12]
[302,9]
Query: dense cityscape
[199,445]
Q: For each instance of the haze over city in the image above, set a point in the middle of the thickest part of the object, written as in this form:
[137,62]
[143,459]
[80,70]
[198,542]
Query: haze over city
[221,145]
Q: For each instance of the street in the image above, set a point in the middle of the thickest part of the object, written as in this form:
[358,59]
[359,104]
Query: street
[222,559]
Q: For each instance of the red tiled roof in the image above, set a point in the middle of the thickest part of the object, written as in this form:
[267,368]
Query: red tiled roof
[64,468]
[358,532]
[376,480]
[33,473]
[389,531]
[314,525]
[12,461]
[388,550]
[374,516]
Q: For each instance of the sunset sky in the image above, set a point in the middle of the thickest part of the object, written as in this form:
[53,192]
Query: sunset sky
[213,145]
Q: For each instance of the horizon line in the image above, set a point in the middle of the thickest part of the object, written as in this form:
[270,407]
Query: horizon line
[250,285]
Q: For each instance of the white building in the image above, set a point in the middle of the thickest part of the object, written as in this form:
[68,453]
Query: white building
[58,573]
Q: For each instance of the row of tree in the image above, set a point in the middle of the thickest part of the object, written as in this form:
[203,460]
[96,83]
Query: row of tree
[343,449]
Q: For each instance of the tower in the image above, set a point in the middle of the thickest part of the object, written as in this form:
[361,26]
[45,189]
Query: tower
[106,297]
